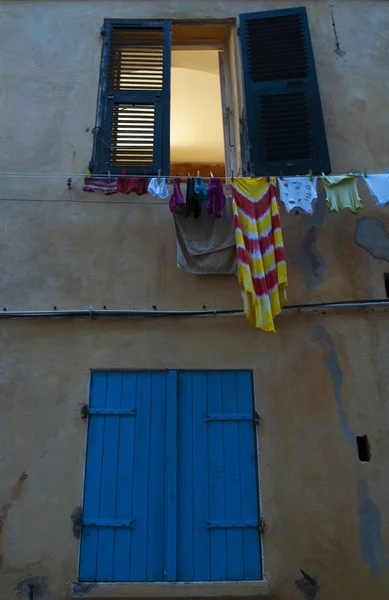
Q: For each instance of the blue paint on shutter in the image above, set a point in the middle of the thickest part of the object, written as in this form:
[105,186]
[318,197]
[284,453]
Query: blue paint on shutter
[170,545]
[218,506]
[284,114]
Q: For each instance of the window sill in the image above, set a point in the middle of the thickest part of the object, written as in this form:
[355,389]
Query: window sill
[171,590]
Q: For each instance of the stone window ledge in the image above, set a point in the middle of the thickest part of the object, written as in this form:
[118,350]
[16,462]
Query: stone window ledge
[112,591]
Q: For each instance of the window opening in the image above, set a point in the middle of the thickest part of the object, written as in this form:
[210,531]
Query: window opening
[197,131]
[364,451]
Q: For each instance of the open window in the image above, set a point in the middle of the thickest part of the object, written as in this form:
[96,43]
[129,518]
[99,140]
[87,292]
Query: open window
[187,96]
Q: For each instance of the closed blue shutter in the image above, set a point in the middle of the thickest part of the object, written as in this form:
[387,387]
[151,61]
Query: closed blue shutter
[124,497]
[133,126]
[218,507]
[171,479]
[284,114]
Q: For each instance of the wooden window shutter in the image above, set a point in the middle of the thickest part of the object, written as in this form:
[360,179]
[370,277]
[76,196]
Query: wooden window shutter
[133,125]
[284,114]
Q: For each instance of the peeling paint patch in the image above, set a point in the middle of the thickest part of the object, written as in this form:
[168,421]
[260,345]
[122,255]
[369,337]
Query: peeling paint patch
[38,585]
[321,336]
[81,589]
[307,585]
[371,542]
[75,518]
[371,235]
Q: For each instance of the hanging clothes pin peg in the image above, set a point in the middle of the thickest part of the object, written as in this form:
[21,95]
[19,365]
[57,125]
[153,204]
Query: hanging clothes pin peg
[232,175]
[159,175]
[109,176]
[364,173]
[87,173]
[211,174]
[69,184]
[281,175]
[198,174]
[310,175]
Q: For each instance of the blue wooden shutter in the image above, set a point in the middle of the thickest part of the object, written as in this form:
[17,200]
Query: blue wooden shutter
[133,128]
[218,508]
[123,532]
[284,114]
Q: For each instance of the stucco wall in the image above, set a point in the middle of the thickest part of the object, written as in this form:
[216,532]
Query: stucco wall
[320,381]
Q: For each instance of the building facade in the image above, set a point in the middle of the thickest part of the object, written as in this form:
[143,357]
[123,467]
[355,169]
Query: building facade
[321,521]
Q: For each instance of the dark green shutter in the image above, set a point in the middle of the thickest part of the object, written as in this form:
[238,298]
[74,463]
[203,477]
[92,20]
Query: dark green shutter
[133,124]
[284,114]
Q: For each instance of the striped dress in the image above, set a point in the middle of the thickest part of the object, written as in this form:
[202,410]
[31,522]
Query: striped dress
[260,249]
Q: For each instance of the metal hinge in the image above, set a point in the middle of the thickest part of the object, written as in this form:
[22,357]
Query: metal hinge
[261,525]
[107,412]
[103,31]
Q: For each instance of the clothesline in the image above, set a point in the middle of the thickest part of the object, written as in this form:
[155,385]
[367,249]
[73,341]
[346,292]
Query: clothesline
[11,175]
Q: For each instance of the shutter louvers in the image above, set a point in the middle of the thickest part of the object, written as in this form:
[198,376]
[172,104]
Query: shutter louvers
[135,94]
[284,114]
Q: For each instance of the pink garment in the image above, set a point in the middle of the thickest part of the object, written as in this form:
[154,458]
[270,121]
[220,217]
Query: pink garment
[127,185]
[177,203]
[100,184]
[216,199]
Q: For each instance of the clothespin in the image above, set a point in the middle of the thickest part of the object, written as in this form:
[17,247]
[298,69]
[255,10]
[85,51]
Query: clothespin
[281,175]
[69,184]
[268,178]
[87,173]
[232,175]
[310,175]
[109,176]
[198,174]
[159,175]
[211,174]
[189,175]
[364,173]
[123,172]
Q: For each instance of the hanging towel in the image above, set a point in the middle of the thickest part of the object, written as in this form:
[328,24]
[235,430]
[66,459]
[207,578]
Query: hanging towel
[298,194]
[158,188]
[200,191]
[192,204]
[127,185]
[216,198]
[177,203]
[100,184]
[342,192]
[261,259]
[378,185]
[206,246]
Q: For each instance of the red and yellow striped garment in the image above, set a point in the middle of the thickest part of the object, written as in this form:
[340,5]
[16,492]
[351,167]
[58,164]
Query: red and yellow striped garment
[261,258]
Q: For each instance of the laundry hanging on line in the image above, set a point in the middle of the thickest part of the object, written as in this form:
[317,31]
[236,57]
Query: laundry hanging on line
[157,187]
[298,194]
[206,246]
[177,202]
[99,184]
[342,192]
[260,249]
[378,186]
[127,185]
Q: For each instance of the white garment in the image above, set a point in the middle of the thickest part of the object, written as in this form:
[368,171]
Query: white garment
[378,185]
[298,194]
[158,188]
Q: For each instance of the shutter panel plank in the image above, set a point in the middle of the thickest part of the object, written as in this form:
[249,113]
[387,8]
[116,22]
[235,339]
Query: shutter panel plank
[106,535]
[249,485]
[185,478]
[138,563]
[217,492]
[135,98]
[200,479]
[124,497]
[155,529]
[89,537]
[285,120]
[232,474]
[170,545]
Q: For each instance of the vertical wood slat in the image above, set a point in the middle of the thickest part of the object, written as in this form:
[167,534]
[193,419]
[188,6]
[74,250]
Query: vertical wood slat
[249,480]
[186,492]
[138,558]
[232,478]
[170,542]
[155,525]
[124,498]
[201,557]
[92,484]
[217,489]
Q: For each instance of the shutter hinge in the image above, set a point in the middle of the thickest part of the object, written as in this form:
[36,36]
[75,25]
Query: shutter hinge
[103,30]
[257,418]
[261,525]
[84,411]
[238,30]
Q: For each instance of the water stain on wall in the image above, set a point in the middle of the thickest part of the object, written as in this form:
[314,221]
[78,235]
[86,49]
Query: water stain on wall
[371,235]
[307,585]
[312,261]
[321,336]
[33,587]
[15,493]
[371,543]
